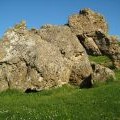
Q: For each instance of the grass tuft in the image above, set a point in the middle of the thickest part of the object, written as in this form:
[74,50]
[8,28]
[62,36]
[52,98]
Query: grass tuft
[65,103]
[103,60]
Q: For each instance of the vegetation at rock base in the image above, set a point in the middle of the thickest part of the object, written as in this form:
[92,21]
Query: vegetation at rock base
[99,59]
[65,103]
[119,43]
[103,60]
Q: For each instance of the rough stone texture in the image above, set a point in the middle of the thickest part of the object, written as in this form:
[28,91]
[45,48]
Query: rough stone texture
[31,62]
[89,45]
[101,73]
[2,46]
[3,83]
[42,59]
[71,50]
[91,29]
[87,21]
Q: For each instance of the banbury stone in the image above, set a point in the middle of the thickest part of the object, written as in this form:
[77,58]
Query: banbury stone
[43,59]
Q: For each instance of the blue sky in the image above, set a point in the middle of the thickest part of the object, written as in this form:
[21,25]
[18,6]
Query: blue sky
[40,12]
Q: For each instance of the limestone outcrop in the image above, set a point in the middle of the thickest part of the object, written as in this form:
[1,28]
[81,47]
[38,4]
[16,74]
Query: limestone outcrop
[71,50]
[51,56]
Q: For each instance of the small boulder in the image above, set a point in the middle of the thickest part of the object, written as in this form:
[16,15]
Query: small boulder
[101,74]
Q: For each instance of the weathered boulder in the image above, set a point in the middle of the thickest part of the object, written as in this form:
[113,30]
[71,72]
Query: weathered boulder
[87,21]
[71,50]
[101,74]
[31,62]
[37,60]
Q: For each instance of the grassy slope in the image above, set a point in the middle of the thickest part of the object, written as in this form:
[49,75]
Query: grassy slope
[119,43]
[65,103]
[104,60]
[99,59]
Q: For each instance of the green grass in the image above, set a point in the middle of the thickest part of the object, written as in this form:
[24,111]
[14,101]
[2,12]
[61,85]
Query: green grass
[117,74]
[103,60]
[119,43]
[99,59]
[65,103]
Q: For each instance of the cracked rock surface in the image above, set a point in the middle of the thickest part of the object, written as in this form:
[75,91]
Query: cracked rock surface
[41,59]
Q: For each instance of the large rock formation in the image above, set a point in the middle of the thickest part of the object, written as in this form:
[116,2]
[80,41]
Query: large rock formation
[39,60]
[56,55]
[71,49]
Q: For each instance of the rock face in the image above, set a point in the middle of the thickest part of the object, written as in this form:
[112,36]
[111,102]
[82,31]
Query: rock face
[87,21]
[71,50]
[49,57]
[101,73]
[92,32]
[33,63]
